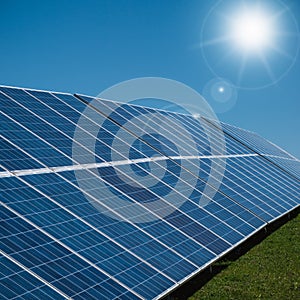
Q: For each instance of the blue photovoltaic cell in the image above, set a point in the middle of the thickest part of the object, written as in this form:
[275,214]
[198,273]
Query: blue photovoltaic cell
[164,254]
[103,149]
[190,228]
[19,135]
[121,115]
[117,201]
[292,166]
[73,232]
[251,194]
[250,181]
[17,283]
[12,158]
[33,116]
[263,191]
[171,269]
[50,260]
[254,141]
[161,230]
[232,146]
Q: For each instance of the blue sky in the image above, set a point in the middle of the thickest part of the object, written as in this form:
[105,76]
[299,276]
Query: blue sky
[88,46]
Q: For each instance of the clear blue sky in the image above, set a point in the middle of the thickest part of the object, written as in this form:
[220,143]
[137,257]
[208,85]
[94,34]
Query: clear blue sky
[87,46]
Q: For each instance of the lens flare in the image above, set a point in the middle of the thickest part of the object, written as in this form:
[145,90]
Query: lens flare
[253,44]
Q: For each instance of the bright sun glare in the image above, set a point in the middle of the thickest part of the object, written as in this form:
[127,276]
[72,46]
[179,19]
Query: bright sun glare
[251,31]
[253,43]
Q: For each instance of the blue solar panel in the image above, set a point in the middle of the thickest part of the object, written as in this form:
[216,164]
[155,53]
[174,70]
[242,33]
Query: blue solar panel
[255,142]
[52,261]
[106,200]
[17,283]
[252,193]
[291,166]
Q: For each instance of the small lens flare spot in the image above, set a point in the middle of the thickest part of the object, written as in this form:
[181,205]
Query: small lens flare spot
[221,89]
[221,94]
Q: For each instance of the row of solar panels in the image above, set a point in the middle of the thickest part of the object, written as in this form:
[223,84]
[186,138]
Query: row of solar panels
[102,200]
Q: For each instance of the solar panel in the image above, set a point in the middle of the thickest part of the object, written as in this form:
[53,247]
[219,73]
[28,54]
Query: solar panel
[255,142]
[271,152]
[292,166]
[16,283]
[107,200]
[250,190]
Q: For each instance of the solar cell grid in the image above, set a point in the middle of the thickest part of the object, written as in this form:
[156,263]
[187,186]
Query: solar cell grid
[248,195]
[255,142]
[17,283]
[292,166]
[36,250]
[107,200]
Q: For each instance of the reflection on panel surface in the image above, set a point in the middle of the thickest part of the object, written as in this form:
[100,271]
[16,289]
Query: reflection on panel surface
[107,200]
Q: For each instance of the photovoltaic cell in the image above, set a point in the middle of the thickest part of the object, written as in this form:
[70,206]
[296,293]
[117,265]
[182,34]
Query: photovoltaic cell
[17,283]
[50,260]
[106,200]
[264,148]
[237,184]
[255,142]
[292,166]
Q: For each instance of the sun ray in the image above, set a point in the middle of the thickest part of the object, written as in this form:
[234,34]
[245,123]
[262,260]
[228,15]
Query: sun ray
[281,52]
[212,42]
[225,57]
[286,33]
[267,66]
[279,13]
[242,68]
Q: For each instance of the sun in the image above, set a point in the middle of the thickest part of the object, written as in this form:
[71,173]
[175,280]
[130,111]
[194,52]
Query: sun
[252,43]
[251,30]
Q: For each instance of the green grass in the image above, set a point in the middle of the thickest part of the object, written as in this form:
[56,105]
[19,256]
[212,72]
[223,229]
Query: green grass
[270,270]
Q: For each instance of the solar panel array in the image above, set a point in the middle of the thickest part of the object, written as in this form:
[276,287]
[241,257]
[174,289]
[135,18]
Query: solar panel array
[103,200]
